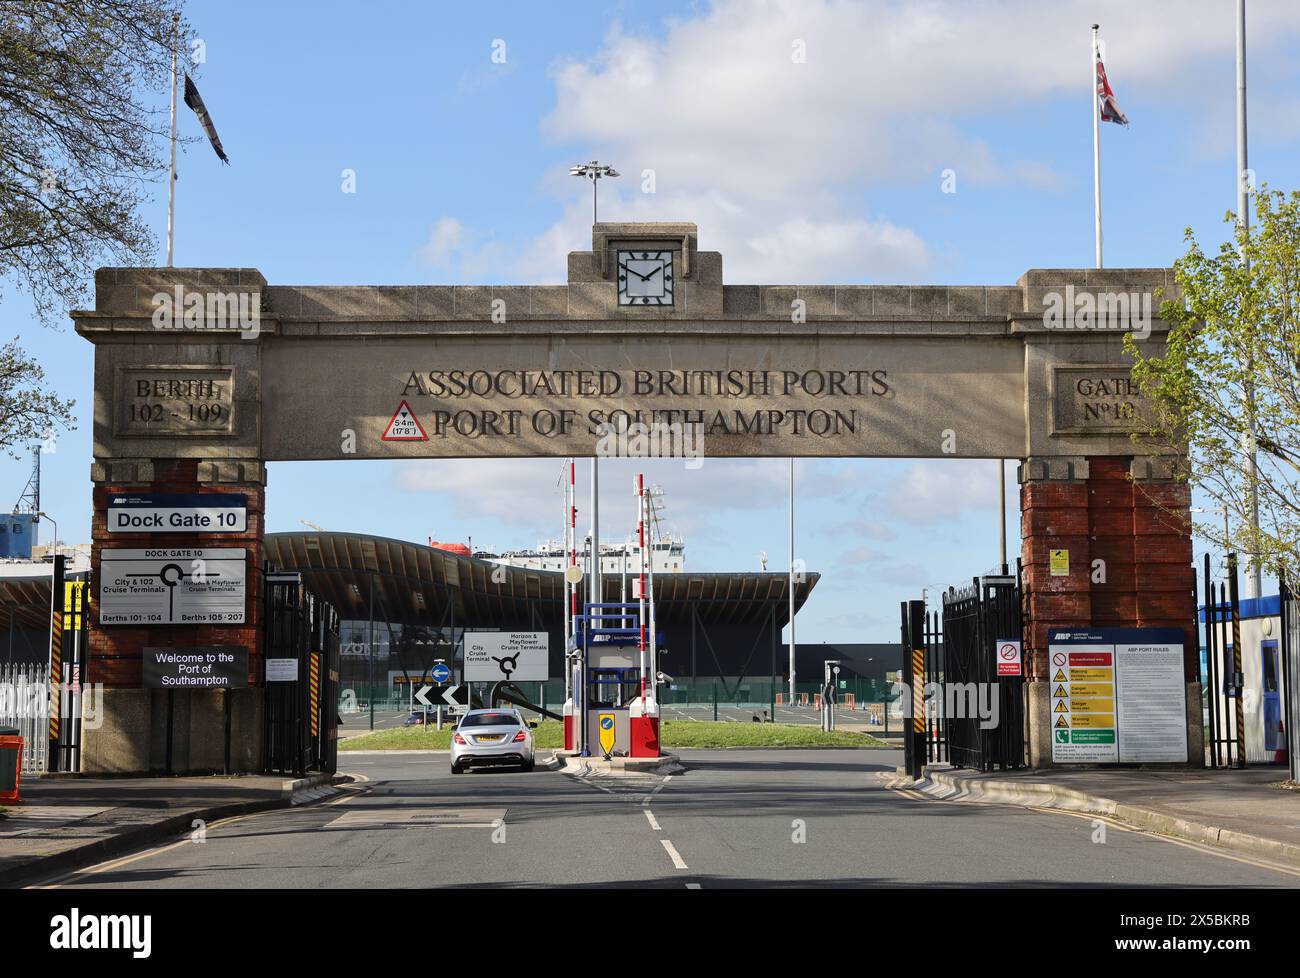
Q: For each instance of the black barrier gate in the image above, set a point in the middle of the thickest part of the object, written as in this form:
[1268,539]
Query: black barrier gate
[914,668]
[1225,706]
[301,643]
[1290,628]
[965,726]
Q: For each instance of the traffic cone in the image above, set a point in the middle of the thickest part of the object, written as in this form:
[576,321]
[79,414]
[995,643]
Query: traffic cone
[1279,755]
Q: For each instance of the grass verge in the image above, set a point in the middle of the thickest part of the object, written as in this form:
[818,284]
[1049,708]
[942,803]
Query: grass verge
[675,733]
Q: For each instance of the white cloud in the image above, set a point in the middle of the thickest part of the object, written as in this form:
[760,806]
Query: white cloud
[525,493]
[776,160]
[445,238]
[940,490]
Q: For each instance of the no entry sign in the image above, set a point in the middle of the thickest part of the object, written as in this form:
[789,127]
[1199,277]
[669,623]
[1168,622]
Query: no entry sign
[1008,657]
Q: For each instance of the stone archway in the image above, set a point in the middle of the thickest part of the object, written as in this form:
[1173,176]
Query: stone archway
[202,376]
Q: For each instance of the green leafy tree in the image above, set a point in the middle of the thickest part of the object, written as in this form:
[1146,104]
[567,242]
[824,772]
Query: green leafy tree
[82,132]
[1228,380]
[28,412]
[83,129]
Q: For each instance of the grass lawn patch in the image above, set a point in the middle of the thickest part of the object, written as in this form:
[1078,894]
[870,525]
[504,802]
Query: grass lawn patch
[547,735]
[707,733]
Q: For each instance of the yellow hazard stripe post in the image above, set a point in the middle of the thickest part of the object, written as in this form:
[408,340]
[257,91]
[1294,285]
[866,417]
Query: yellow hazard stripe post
[313,674]
[918,690]
[56,670]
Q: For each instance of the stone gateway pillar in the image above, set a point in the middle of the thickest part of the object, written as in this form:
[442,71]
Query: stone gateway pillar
[211,730]
[1124,529]
[205,375]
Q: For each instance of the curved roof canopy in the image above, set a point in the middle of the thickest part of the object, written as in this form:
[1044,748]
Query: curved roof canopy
[414,583]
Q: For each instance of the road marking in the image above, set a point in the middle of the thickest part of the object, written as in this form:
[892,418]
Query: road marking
[673,854]
[692,886]
[658,788]
[120,861]
[156,851]
[650,817]
[401,816]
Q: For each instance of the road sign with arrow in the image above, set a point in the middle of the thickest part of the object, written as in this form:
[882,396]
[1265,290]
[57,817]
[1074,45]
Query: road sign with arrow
[445,696]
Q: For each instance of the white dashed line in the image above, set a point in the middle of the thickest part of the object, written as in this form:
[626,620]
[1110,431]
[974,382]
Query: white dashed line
[650,817]
[673,854]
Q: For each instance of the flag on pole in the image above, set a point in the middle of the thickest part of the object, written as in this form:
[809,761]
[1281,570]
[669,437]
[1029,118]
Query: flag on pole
[195,101]
[1109,108]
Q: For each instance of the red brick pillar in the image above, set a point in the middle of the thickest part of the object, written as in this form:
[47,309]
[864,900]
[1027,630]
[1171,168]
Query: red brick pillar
[1125,526]
[1165,580]
[1053,516]
[131,732]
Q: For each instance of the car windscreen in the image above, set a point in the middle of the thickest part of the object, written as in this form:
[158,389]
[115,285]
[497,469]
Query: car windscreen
[490,720]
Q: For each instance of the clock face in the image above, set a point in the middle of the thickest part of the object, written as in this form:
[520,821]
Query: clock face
[645,278]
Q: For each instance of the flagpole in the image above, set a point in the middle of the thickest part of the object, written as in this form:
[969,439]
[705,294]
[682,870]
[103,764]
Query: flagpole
[1096,147]
[171,170]
[790,586]
[1255,576]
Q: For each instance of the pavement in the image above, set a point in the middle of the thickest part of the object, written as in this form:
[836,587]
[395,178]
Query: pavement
[733,818]
[65,822]
[1247,810]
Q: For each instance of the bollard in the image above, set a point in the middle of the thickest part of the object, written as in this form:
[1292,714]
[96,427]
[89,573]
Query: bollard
[11,765]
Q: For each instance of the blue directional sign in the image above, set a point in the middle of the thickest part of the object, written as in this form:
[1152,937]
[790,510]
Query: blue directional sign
[440,673]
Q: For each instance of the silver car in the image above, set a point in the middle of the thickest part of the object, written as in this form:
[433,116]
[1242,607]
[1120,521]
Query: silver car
[487,737]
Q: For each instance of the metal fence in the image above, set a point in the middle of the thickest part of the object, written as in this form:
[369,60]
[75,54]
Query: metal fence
[25,704]
[956,649]
[702,699]
[975,619]
[1224,702]
[301,713]
[1291,672]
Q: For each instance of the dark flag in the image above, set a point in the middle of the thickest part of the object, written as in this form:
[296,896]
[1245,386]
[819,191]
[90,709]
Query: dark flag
[195,101]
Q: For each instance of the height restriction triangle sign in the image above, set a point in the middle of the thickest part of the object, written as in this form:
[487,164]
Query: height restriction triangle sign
[404,426]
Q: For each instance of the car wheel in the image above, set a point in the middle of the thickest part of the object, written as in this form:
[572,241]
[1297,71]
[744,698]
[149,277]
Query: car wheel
[457,769]
[527,766]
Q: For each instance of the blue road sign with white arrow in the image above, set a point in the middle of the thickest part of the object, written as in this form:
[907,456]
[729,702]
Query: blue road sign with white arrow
[440,673]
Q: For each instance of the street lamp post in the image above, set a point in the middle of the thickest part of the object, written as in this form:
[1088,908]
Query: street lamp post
[593,171]
[54,544]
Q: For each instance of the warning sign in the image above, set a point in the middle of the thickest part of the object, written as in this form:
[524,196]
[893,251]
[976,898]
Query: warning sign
[1008,658]
[404,426]
[1059,561]
[1083,696]
[1117,696]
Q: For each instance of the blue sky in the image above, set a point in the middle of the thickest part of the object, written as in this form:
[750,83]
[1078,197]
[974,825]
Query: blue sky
[825,171]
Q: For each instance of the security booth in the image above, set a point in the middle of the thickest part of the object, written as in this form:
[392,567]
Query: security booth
[1263,679]
[615,686]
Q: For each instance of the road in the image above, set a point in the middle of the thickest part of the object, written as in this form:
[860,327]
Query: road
[735,818]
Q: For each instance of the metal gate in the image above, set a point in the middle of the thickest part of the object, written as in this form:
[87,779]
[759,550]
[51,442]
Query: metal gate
[25,706]
[979,716]
[1224,676]
[1291,671]
[301,643]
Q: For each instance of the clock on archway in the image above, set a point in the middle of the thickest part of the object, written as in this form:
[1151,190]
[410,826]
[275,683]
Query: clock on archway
[645,278]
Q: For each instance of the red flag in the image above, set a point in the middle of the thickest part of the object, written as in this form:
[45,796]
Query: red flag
[1109,108]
